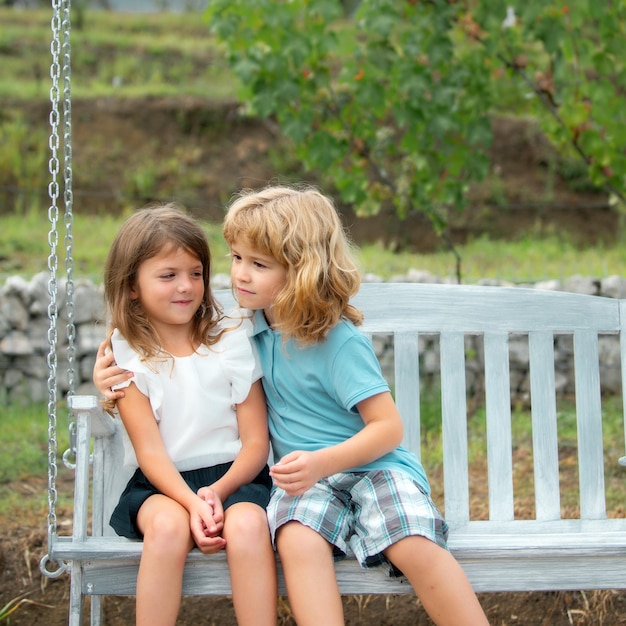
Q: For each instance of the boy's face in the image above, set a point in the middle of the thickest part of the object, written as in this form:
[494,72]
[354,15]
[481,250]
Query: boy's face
[256,277]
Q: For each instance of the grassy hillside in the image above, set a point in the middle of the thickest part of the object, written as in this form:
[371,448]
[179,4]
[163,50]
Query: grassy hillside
[113,54]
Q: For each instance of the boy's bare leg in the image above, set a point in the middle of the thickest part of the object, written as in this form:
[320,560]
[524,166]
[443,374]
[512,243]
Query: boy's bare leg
[439,582]
[307,561]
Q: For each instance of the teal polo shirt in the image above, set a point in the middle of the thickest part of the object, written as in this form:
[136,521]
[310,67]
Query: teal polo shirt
[312,393]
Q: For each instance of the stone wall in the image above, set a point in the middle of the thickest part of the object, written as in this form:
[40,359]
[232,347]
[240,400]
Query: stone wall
[25,328]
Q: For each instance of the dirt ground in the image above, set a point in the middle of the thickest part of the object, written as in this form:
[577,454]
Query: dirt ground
[219,153]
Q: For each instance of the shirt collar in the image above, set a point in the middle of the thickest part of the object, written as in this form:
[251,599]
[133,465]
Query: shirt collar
[260,323]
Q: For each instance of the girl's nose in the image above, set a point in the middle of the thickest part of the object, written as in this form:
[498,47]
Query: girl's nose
[184,284]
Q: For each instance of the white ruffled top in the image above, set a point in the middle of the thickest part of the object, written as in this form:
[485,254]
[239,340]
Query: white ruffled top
[194,398]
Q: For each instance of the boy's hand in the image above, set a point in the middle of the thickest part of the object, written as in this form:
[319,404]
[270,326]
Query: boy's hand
[297,471]
[106,374]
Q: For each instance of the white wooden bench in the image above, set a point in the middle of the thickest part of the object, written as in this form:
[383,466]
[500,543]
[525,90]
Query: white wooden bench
[500,553]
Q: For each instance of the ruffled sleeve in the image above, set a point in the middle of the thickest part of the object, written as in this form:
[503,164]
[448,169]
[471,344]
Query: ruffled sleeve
[239,355]
[144,378]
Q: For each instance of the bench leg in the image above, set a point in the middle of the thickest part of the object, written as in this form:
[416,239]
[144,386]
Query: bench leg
[96,610]
[76,596]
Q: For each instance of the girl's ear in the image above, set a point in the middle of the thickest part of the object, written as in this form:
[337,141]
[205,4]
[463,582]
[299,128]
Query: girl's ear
[134,295]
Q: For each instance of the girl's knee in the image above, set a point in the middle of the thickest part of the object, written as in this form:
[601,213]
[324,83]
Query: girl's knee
[167,528]
[245,523]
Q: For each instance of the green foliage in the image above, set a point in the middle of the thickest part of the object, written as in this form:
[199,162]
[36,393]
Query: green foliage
[385,106]
[565,66]
[392,106]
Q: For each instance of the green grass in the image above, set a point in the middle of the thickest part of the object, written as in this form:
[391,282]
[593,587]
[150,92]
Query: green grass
[526,260]
[24,251]
[121,54]
[24,445]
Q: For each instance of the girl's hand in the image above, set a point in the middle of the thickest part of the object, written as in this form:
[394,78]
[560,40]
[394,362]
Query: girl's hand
[106,374]
[298,471]
[206,526]
[215,502]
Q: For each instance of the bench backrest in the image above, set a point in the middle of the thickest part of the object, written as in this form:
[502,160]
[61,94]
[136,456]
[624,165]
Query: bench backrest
[451,314]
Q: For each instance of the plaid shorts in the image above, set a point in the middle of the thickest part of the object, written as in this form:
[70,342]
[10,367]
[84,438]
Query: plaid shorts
[362,513]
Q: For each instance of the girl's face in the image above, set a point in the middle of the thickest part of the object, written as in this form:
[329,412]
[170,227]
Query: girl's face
[170,287]
[256,278]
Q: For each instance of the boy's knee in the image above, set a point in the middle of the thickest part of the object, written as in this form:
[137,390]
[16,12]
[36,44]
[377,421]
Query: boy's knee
[295,537]
[421,553]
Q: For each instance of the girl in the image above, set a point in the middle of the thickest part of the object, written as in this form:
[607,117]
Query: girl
[195,413]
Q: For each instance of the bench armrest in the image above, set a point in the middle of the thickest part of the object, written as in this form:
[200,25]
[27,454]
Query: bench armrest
[102,424]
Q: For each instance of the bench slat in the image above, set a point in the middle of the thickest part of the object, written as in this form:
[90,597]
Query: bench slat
[622,342]
[407,388]
[511,561]
[544,426]
[498,407]
[477,309]
[589,411]
[454,427]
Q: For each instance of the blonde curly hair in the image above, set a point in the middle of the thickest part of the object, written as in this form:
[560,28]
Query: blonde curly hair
[301,230]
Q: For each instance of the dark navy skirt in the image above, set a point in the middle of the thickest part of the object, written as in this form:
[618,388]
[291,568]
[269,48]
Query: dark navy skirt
[139,489]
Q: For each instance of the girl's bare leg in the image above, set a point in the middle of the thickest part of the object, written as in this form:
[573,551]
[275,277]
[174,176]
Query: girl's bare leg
[252,565]
[439,582]
[307,561]
[167,540]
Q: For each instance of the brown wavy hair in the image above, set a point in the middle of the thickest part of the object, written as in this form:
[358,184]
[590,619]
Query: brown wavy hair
[301,230]
[147,233]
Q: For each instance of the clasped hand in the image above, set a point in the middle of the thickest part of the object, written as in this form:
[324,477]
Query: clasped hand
[207,521]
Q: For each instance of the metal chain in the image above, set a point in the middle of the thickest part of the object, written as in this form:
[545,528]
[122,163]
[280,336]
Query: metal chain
[53,238]
[69,240]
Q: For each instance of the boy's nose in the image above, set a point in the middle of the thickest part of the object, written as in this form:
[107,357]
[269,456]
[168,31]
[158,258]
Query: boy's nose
[240,274]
